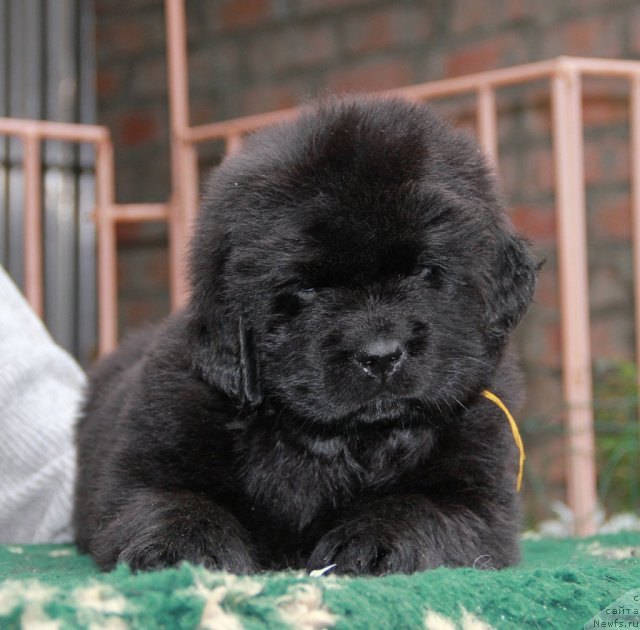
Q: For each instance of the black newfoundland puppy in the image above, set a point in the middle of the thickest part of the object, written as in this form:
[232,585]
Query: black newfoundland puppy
[320,399]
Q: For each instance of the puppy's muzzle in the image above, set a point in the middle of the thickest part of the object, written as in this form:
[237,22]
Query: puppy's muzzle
[380,358]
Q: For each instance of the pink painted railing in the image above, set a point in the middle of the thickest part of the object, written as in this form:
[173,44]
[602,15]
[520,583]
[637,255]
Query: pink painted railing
[32,133]
[564,77]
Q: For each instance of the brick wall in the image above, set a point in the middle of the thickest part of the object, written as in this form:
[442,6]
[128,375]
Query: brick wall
[251,56]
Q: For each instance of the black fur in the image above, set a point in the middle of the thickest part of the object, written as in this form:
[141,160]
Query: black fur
[248,432]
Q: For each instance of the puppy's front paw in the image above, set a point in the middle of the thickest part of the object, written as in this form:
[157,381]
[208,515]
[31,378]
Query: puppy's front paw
[161,529]
[226,552]
[358,548]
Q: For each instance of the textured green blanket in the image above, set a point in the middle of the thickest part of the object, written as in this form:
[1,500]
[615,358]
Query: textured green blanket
[560,584]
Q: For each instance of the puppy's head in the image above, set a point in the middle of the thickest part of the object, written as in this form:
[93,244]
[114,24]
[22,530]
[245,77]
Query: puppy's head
[356,263]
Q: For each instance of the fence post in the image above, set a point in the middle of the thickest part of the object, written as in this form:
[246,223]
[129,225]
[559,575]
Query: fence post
[635,207]
[33,222]
[184,163]
[574,295]
[107,248]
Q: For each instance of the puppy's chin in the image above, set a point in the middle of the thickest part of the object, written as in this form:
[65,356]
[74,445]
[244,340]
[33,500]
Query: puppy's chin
[380,409]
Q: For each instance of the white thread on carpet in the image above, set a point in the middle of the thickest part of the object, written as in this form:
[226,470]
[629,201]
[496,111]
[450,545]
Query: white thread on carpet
[15,549]
[436,621]
[99,598]
[612,553]
[60,553]
[112,623]
[302,608]
[471,622]
[208,586]
[468,621]
[32,596]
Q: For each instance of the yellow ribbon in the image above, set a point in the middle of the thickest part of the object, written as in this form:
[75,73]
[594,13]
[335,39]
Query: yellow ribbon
[514,429]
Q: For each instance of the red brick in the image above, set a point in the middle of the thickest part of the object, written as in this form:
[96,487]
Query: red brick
[518,9]
[543,347]
[379,75]
[129,34]
[535,104]
[384,28]
[612,338]
[595,35]
[606,160]
[605,104]
[241,14]
[127,233]
[156,269]
[611,220]
[493,53]
[202,111]
[108,83]
[293,49]
[538,172]
[307,46]
[552,356]
[323,6]
[150,78]
[367,33]
[634,30]
[141,235]
[265,98]
[607,289]
[108,7]
[537,224]
[472,16]
[475,58]
[546,297]
[138,127]
[134,314]
[508,171]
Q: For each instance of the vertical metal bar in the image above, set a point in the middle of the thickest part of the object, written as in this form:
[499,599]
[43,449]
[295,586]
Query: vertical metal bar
[107,249]
[87,267]
[60,180]
[184,176]
[86,260]
[33,223]
[635,203]
[16,88]
[4,111]
[233,143]
[185,172]
[487,122]
[573,272]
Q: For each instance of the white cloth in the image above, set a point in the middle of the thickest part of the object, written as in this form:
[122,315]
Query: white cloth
[40,391]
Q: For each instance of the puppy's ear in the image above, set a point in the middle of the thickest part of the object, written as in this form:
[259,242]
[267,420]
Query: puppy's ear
[511,286]
[249,367]
[224,356]
[222,351]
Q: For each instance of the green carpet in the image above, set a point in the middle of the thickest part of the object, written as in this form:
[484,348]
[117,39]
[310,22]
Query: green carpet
[560,584]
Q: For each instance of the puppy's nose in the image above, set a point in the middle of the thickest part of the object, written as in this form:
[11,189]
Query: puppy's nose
[380,358]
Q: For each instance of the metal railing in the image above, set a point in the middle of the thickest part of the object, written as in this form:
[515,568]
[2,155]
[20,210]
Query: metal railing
[564,77]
